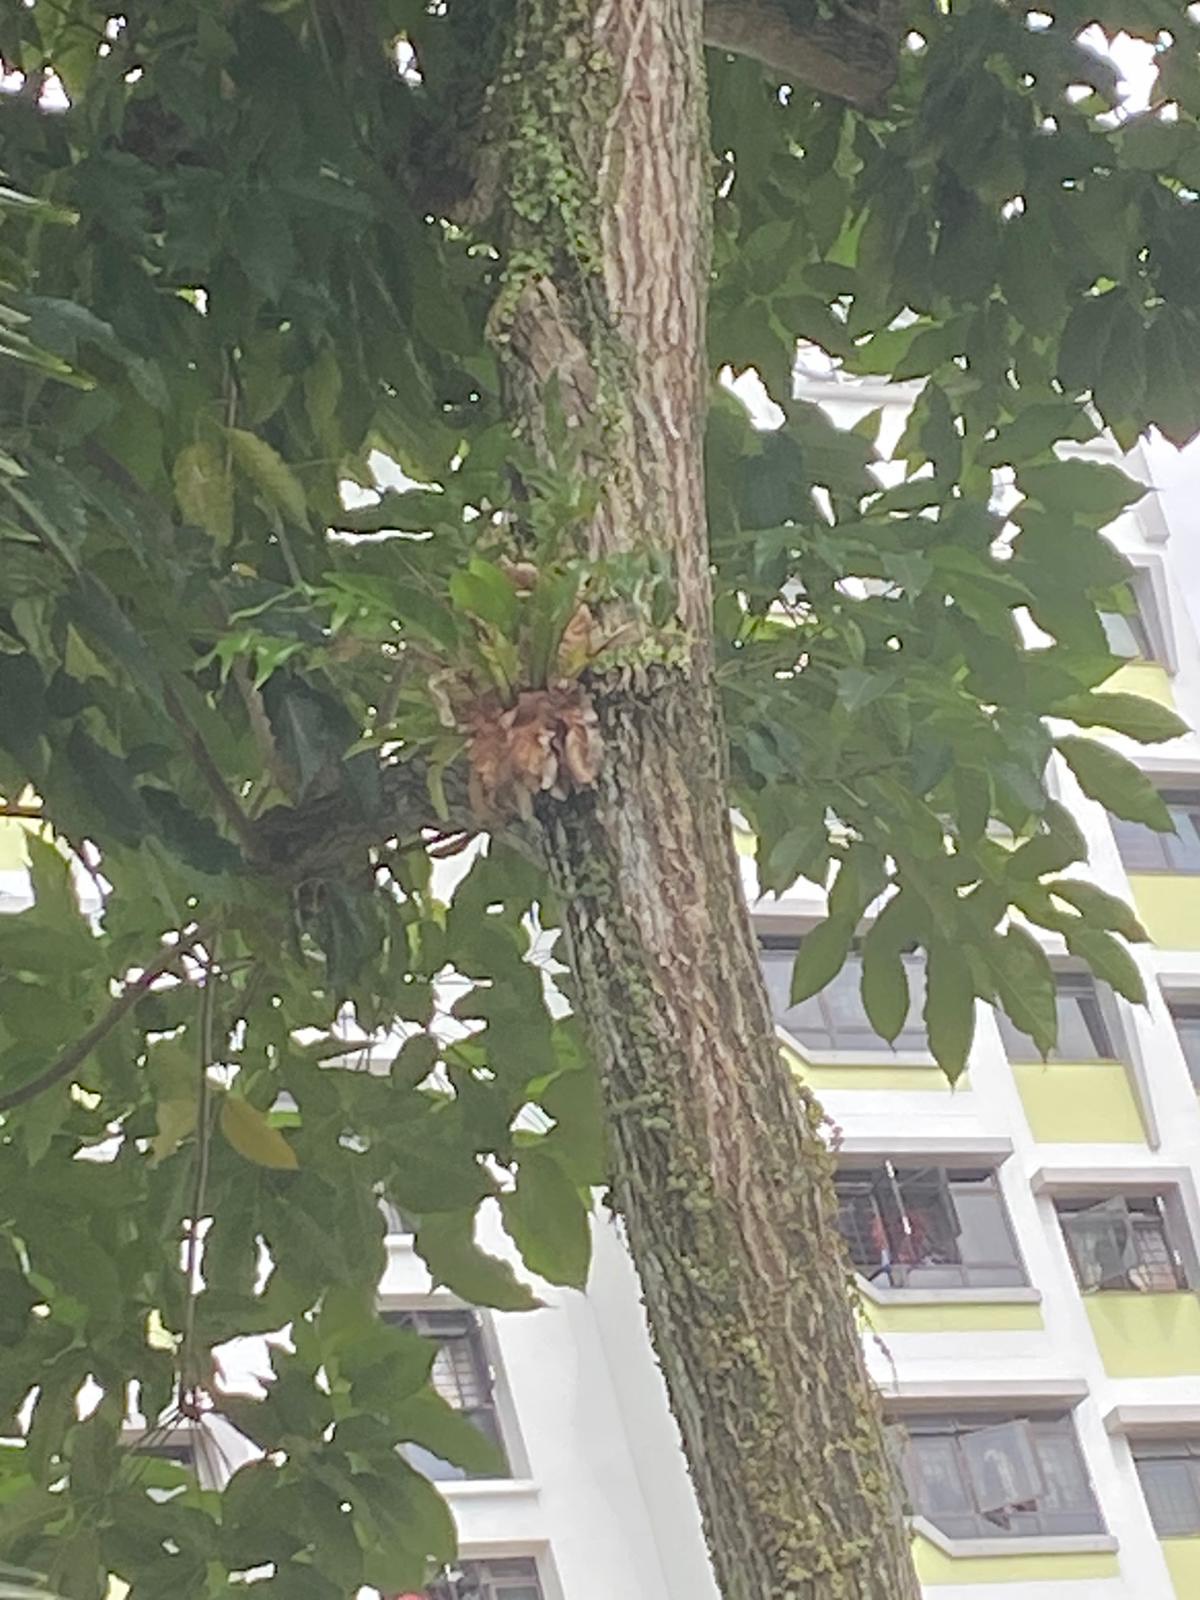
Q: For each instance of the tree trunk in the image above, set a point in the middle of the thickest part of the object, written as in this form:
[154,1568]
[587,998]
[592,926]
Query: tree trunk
[720,1171]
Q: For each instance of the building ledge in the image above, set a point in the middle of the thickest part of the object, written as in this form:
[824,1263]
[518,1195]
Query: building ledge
[1071,1544]
[949,1297]
[946,1149]
[933,1395]
[1139,1176]
[1153,1422]
[488,1488]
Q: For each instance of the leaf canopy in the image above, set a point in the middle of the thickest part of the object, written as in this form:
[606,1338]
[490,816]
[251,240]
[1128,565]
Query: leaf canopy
[256,487]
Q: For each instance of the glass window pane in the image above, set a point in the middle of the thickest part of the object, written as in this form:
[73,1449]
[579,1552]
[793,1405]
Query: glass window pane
[1144,850]
[1183,848]
[1172,1490]
[1100,1242]
[1141,849]
[1126,634]
[936,1483]
[1120,1243]
[985,1241]
[511,1579]
[1066,1505]
[1003,1466]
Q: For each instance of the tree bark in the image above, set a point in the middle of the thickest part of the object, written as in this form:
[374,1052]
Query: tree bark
[719,1167]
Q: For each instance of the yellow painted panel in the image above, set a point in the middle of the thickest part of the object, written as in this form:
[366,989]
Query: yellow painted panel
[955,1316]
[12,845]
[1147,678]
[1168,904]
[934,1566]
[868,1075]
[1071,1102]
[1147,1335]
[1183,1562]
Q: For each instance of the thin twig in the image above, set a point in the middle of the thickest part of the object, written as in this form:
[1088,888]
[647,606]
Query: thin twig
[203,1141]
[33,813]
[75,1054]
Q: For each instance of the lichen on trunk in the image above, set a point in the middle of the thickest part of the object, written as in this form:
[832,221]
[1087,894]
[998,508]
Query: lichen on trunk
[719,1168]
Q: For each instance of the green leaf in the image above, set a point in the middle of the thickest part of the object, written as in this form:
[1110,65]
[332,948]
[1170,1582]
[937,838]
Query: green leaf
[1108,960]
[822,955]
[426,1419]
[857,687]
[949,1007]
[884,978]
[174,1121]
[54,893]
[547,1221]
[204,489]
[193,838]
[445,1242]
[484,591]
[322,391]
[1074,486]
[1099,907]
[250,1133]
[269,473]
[1130,714]
[1116,783]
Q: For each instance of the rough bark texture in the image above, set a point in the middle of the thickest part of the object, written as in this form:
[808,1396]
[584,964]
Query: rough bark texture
[720,1172]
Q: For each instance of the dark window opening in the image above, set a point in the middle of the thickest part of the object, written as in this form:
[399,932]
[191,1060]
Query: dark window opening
[1170,1474]
[988,1477]
[1186,1016]
[1083,1031]
[835,1018]
[462,1376]
[1142,849]
[927,1227]
[1122,1242]
[514,1578]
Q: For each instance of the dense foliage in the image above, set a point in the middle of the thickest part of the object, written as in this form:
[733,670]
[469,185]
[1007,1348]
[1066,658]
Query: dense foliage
[236,265]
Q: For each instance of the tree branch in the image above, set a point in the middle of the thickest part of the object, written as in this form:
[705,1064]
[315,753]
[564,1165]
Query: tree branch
[853,53]
[75,1054]
[32,813]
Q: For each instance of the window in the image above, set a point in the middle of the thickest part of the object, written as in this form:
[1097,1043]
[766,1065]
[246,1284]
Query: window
[835,1018]
[461,1375]
[510,1579]
[1083,1032]
[987,1477]
[1121,1242]
[1127,631]
[927,1227]
[1170,1474]
[1144,850]
[1186,1016]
